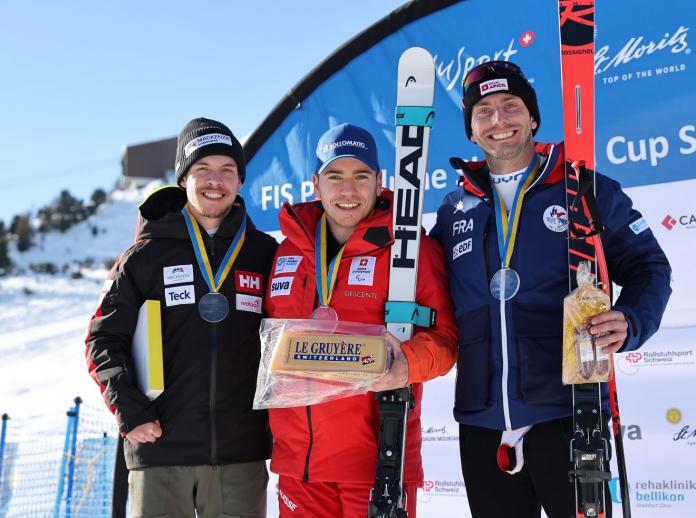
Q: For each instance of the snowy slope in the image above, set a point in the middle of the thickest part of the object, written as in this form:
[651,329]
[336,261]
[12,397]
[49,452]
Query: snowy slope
[43,318]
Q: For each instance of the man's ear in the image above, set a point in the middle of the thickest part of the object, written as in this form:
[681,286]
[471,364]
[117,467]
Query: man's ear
[182,182]
[315,182]
[534,124]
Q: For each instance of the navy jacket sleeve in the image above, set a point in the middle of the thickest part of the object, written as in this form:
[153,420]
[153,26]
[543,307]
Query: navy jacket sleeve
[635,262]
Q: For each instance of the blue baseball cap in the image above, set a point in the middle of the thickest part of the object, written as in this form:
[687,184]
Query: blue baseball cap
[347,141]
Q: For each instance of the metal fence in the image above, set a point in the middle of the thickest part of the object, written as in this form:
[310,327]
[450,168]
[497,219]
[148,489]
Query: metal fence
[58,465]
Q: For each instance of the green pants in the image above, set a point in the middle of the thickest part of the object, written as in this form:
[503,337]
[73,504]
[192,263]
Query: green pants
[235,490]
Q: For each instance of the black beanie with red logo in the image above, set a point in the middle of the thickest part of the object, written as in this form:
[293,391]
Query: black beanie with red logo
[494,82]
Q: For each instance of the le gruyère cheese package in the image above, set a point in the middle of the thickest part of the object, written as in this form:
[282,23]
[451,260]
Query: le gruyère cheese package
[331,356]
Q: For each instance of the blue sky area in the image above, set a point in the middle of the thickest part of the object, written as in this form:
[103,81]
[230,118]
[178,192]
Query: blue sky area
[82,79]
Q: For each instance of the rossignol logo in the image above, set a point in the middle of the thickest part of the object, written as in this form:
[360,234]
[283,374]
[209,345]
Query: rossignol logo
[639,46]
[573,52]
[494,85]
[206,140]
[343,143]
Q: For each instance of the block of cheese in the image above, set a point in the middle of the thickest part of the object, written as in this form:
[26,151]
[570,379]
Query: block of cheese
[331,356]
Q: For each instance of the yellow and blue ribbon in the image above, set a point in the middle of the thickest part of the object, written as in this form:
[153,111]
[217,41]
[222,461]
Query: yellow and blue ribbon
[325,274]
[507,224]
[213,282]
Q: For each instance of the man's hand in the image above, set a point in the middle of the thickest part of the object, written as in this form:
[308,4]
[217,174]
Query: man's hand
[398,372]
[147,432]
[612,328]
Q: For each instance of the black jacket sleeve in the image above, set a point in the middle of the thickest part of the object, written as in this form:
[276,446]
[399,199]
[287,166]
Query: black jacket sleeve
[109,356]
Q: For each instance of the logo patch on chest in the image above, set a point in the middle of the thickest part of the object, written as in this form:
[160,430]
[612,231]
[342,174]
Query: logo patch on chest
[556,218]
[362,271]
[287,263]
[281,286]
[461,248]
[180,295]
[248,303]
[248,282]
[177,274]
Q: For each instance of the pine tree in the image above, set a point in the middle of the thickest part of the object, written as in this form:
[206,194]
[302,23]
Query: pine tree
[98,197]
[23,231]
[5,261]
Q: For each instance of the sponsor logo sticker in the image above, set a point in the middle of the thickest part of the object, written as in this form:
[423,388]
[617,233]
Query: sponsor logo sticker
[461,248]
[639,226]
[281,286]
[249,282]
[556,218]
[248,303]
[177,274]
[362,271]
[674,415]
[206,140]
[287,263]
[669,222]
[494,85]
[179,295]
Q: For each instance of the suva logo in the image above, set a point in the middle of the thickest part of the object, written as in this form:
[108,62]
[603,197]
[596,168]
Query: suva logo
[281,286]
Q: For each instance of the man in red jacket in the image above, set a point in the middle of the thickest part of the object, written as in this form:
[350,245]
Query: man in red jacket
[326,454]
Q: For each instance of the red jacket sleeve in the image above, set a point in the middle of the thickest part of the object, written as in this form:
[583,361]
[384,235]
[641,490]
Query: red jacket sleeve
[432,352]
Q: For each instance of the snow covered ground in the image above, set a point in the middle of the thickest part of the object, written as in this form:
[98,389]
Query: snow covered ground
[43,318]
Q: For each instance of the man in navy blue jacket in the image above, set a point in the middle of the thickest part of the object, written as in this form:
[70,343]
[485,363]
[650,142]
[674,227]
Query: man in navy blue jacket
[508,294]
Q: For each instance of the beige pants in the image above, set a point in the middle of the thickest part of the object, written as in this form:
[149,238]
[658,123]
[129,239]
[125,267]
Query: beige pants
[234,490]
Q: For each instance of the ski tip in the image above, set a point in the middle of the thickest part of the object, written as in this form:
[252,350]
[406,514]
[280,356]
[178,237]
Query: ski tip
[416,53]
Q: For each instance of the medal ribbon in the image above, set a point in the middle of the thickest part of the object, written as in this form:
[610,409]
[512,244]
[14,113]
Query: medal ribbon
[213,283]
[507,224]
[326,277]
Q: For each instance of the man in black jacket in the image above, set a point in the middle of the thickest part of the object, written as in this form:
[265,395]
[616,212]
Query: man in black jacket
[199,446]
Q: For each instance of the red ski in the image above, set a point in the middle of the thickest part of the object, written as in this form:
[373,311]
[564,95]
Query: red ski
[590,453]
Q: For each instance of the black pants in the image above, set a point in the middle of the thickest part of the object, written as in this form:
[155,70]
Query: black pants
[543,482]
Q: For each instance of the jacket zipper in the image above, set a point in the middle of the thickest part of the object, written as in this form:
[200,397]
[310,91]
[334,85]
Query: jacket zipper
[213,378]
[305,476]
[503,343]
